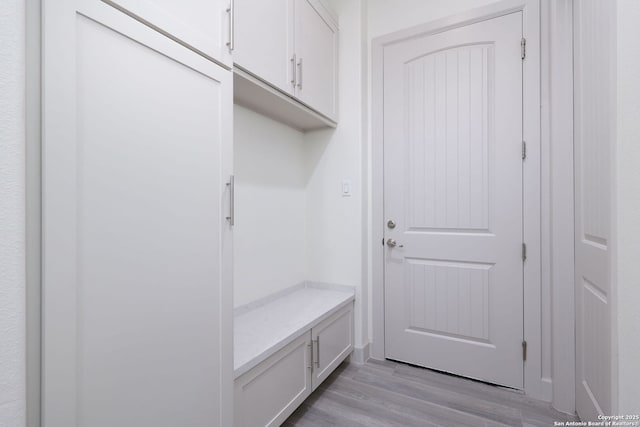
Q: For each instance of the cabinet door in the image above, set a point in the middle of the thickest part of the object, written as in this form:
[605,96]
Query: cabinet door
[270,392]
[264,41]
[203,25]
[316,58]
[332,343]
[136,286]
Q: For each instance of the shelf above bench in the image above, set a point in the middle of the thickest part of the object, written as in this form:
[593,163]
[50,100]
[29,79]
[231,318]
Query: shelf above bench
[256,95]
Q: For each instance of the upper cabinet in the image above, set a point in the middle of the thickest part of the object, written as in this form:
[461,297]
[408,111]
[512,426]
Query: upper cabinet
[264,40]
[204,26]
[316,57]
[292,46]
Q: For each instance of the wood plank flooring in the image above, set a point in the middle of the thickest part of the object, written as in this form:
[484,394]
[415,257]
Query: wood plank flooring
[386,393]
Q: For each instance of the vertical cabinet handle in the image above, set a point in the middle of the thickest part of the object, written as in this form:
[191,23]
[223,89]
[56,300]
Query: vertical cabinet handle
[293,70]
[300,74]
[232,201]
[317,360]
[231,11]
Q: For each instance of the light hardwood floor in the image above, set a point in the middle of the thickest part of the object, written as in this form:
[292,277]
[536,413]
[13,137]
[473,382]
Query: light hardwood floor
[386,393]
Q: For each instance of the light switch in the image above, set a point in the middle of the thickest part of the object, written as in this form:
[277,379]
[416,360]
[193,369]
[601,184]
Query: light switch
[346,188]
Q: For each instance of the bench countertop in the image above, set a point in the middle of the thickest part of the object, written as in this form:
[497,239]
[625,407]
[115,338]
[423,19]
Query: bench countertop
[262,329]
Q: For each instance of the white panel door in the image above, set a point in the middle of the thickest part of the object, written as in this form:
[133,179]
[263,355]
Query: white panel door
[594,127]
[316,60]
[264,41]
[203,25]
[453,189]
[136,285]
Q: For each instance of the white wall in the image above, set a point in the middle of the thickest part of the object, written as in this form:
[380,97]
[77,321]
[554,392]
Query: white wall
[628,206]
[270,243]
[335,223]
[12,213]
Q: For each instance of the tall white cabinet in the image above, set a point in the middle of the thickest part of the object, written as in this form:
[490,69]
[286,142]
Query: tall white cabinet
[137,145]
[137,120]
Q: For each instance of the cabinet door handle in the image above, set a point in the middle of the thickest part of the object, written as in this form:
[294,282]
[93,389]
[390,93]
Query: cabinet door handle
[293,70]
[317,361]
[300,74]
[232,201]
[232,21]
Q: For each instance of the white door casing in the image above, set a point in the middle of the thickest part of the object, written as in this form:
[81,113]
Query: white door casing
[453,185]
[594,132]
[136,279]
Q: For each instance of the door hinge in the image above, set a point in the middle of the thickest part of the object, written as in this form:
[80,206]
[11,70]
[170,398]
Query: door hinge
[523,48]
[524,252]
[524,351]
[524,150]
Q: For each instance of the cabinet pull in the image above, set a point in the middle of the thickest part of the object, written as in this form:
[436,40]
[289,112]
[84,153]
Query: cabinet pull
[232,20]
[317,361]
[232,201]
[300,74]
[310,346]
[293,70]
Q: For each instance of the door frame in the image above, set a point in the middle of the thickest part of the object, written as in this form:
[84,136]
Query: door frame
[558,263]
[543,357]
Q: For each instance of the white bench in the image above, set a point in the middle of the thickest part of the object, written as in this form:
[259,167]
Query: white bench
[285,346]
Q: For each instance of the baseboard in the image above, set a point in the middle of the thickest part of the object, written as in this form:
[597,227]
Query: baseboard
[360,354]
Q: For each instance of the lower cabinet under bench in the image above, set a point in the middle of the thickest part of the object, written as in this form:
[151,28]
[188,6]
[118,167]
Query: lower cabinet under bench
[285,346]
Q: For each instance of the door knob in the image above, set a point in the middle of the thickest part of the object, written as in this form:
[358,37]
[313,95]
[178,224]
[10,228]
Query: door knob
[392,244]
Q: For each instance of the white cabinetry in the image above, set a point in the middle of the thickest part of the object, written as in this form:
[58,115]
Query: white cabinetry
[291,45]
[201,25]
[332,342]
[264,40]
[137,309]
[279,362]
[270,392]
[316,58]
